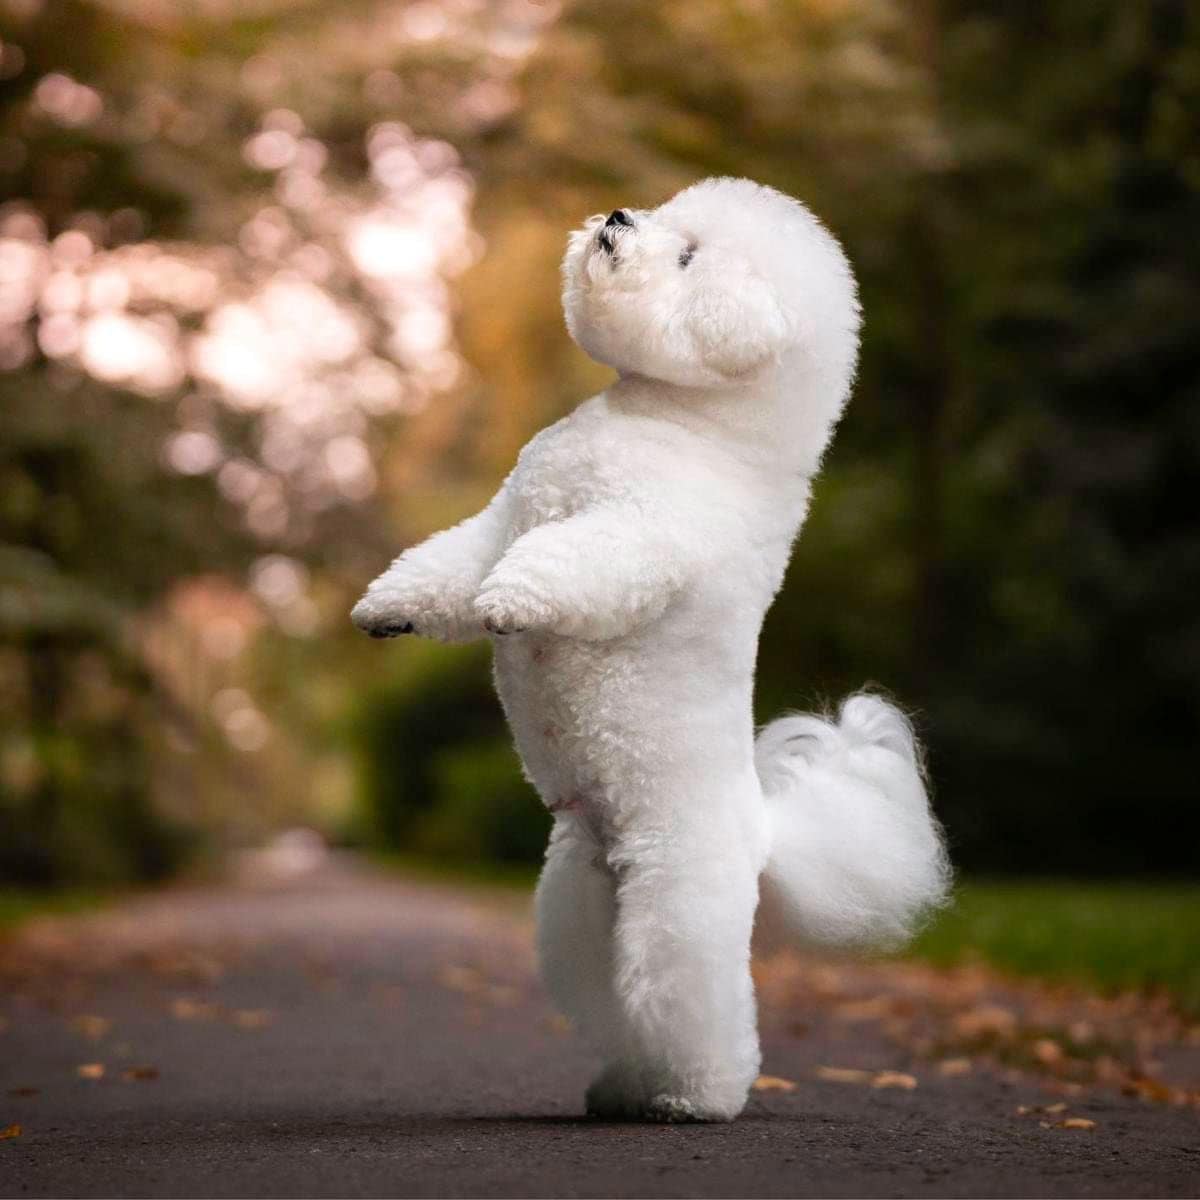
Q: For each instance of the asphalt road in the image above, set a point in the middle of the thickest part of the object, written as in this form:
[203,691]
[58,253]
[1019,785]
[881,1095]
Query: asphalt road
[343,1033]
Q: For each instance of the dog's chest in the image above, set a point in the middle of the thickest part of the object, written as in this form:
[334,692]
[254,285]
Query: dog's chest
[560,472]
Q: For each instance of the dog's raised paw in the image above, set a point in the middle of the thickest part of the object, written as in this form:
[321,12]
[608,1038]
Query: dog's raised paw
[509,608]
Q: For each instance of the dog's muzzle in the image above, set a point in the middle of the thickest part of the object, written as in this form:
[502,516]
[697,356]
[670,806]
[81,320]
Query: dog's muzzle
[617,219]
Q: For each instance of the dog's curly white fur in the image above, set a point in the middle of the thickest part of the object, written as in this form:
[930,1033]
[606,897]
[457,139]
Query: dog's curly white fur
[624,569]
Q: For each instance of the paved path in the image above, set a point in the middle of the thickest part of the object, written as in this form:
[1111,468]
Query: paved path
[348,1034]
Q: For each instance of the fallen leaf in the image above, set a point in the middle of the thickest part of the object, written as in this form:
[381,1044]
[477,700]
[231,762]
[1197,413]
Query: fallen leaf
[1023,1110]
[1149,1089]
[1081,1032]
[1077,1123]
[184,1008]
[856,1011]
[1066,1087]
[894,1079]
[557,1023]
[251,1018]
[1047,1051]
[843,1075]
[23,1091]
[954,1066]
[773,1083]
[90,1070]
[10,1131]
[139,1074]
[91,1026]
[987,1020]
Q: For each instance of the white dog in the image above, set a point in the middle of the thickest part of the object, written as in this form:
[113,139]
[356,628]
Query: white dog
[630,558]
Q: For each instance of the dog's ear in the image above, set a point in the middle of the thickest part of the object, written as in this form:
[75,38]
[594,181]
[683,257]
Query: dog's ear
[737,322]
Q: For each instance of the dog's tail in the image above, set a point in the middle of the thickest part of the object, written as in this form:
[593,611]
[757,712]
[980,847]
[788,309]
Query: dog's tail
[856,854]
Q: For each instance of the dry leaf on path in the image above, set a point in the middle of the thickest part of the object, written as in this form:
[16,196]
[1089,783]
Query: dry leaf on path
[989,1020]
[1048,1051]
[1049,1110]
[894,1079]
[139,1074]
[10,1131]
[951,1067]
[90,1070]
[843,1075]
[1152,1089]
[184,1008]
[773,1083]
[1077,1123]
[855,1011]
[91,1026]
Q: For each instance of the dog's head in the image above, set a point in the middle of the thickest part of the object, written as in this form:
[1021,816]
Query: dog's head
[711,288]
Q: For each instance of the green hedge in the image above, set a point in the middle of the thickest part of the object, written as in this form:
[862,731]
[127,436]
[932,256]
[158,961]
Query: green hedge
[437,773]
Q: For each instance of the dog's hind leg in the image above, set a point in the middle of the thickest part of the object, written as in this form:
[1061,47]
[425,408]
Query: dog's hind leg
[685,915]
[576,908]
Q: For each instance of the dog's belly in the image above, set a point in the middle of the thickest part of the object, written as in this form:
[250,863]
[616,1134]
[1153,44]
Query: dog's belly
[615,727]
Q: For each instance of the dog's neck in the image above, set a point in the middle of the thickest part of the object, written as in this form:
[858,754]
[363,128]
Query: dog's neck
[783,420]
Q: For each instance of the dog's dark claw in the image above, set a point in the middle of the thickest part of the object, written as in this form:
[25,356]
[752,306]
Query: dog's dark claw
[491,627]
[391,631]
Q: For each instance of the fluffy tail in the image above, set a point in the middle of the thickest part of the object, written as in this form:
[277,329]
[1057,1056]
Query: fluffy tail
[856,855]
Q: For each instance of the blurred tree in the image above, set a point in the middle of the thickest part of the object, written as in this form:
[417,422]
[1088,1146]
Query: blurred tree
[243,313]
[1092,669]
[1001,533]
[219,274]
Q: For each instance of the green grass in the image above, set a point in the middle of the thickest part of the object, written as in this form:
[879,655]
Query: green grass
[19,904]
[1112,936]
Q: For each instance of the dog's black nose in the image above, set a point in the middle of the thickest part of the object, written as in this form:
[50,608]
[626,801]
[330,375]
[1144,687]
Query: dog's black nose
[619,216]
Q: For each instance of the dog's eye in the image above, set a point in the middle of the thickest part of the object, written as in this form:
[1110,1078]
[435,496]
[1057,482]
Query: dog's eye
[687,254]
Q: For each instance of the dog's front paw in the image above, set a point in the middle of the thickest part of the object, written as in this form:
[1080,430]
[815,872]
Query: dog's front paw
[504,607]
[381,614]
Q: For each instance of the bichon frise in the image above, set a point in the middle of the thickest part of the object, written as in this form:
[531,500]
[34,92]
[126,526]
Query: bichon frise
[624,569]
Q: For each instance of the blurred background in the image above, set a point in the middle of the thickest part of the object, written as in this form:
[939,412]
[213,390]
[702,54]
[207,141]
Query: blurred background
[279,296]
